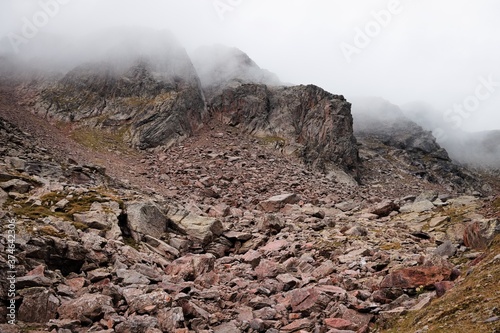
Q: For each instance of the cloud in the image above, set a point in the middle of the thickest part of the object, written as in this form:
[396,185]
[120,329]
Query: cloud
[433,51]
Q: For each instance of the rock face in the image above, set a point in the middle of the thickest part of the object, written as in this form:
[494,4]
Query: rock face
[219,67]
[303,120]
[379,125]
[148,98]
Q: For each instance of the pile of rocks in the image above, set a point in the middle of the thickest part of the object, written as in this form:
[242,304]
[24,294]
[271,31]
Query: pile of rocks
[247,240]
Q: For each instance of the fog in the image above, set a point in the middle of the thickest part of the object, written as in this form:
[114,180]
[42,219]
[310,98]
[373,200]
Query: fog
[441,54]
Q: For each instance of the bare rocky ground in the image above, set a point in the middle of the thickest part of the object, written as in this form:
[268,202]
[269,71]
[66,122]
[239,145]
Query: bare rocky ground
[223,233]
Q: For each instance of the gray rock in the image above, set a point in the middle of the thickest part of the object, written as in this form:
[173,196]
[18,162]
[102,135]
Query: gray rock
[145,218]
[129,277]
[305,120]
[427,195]
[447,249]
[102,216]
[229,327]
[418,207]
[15,185]
[275,203]
[201,228]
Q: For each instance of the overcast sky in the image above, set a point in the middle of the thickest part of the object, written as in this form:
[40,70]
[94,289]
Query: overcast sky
[440,52]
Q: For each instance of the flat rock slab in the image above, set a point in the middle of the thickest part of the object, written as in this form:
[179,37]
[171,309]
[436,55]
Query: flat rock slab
[274,204]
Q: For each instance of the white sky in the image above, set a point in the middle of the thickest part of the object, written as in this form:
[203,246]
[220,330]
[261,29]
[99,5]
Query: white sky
[431,50]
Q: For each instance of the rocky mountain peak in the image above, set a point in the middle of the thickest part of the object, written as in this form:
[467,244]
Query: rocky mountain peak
[220,66]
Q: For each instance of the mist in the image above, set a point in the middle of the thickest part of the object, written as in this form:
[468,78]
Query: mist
[437,54]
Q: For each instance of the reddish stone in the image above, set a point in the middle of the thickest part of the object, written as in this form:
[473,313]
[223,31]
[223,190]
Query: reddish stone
[384,208]
[338,323]
[37,271]
[75,284]
[415,277]
[297,325]
[274,246]
[268,268]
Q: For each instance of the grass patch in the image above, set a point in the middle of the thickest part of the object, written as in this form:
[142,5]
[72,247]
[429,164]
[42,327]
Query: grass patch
[103,141]
[77,204]
[272,140]
[391,246]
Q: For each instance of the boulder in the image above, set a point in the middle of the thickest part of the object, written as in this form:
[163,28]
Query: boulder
[15,185]
[202,228]
[102,216]
[88,306]
[384,208]
[190,266]
[274,204]
[39,305]
[414,277]
[479,234]
[145,218]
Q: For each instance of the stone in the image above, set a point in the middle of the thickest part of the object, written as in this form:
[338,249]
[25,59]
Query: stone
[170,319]
[438,220]
[39,305]
[161,247]
[346,206]
[427,196]
[325,269]
[252,257]
[384,208]
[288,280]
[418,207]
[138,324]
[447,249]
[150,302]
[190,266]
[128,277]
[33,281]
[15,185]
[268,269]
[275,203]
[90,306]
[102,216]
[479,234]
[270,224]
[297,325]
[98,274]
[202,228]
[3,197]
[229,327]
[339,323]
[145,218]
[275,246]
[442,287]
[237,236]
[414,277]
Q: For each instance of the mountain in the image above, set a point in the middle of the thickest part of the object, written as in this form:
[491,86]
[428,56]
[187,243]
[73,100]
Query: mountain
[220,66]
[145,199]
[155,99]
[382,126]
[474,149]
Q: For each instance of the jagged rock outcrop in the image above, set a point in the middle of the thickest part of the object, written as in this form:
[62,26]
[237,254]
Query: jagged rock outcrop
[220,67]
[149,97]
[303,120]
[380,127]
